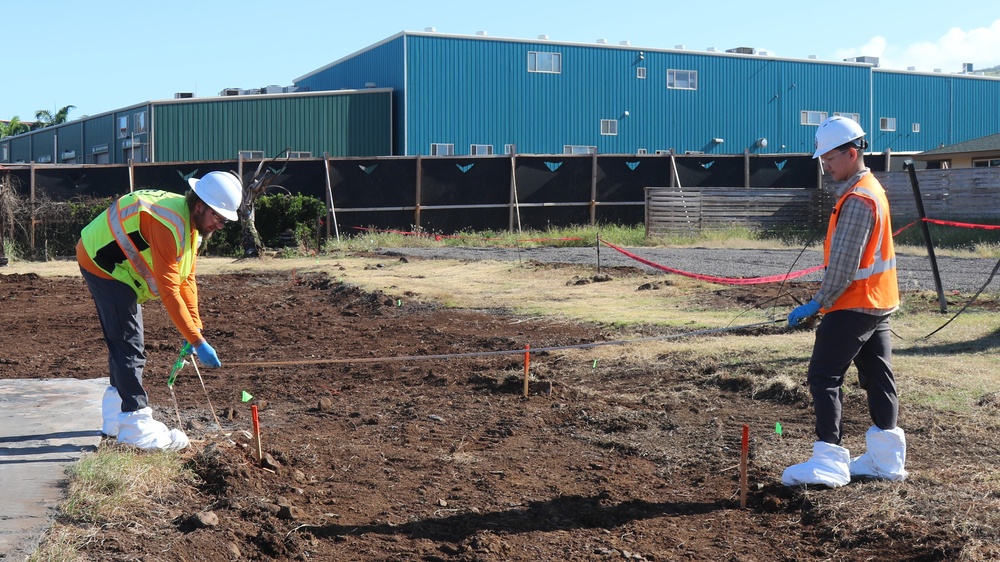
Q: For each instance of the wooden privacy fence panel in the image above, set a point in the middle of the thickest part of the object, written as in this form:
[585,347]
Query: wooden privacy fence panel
[671,209]
[966,194]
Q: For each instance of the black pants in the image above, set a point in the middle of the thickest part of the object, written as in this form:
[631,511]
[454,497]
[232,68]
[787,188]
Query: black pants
[121,321]
[844,337]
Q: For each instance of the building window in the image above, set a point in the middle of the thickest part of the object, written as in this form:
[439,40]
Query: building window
[988,163]
[641,151]
[887,123]
[855,116]
[123,126]
[5,153]
[441,149]
[251,154]
[509,148]
[544,62]
[813,117]
[140,122]
[300,154]
[682,79]
[481,149]
[640,72]
[915,128]
[609,127]
[577,149]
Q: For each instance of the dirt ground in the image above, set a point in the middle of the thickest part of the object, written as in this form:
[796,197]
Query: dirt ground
[446,460]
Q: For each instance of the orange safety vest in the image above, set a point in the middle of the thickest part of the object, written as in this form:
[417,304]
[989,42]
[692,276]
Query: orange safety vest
[875,284]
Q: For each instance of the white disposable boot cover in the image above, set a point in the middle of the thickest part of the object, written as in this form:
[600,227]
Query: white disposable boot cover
[829,466]
[886,455]
[111,406]
[139,429]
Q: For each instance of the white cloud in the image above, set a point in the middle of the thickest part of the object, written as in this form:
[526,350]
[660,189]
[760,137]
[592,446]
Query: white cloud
[979,46]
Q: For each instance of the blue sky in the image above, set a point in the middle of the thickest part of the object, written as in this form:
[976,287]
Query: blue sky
[100,55]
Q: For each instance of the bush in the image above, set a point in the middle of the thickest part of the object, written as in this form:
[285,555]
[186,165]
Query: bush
[276,215]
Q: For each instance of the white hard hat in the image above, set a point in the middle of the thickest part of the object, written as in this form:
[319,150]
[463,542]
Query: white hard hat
[222,191]
[836,131]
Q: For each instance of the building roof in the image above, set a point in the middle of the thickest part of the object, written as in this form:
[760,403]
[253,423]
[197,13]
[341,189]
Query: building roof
[989,143]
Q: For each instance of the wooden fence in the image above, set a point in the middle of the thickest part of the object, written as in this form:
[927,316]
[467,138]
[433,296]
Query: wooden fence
[965,195]
[671,209]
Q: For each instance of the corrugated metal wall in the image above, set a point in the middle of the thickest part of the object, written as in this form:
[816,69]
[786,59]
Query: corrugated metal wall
[339,123]
[465,90]
[381,65]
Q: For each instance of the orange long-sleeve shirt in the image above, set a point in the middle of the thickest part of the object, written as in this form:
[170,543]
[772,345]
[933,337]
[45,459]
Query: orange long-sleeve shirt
[180,298]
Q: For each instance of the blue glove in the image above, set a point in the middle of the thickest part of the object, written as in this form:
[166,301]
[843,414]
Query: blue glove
[800,313]
[207,355]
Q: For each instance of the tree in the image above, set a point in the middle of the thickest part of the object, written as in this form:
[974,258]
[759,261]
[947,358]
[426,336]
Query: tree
[13,127]
[46,118]
[263,180]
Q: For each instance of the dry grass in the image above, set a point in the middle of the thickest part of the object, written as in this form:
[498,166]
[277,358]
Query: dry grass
[951,371]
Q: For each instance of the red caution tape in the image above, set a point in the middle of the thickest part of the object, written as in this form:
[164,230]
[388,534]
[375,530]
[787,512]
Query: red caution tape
[720,280]
[964,224]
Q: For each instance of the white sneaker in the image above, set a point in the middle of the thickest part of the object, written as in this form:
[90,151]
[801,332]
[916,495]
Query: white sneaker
[829,466]
[111,406]
[886,455]
[139,429]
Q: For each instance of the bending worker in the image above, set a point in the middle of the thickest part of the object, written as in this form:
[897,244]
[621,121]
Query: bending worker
[858,294]
[144,246]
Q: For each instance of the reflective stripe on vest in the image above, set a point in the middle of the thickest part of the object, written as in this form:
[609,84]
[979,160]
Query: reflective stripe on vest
[128,246]
[880,265]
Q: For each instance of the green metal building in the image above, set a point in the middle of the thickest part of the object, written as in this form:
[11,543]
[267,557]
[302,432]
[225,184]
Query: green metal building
[339,123]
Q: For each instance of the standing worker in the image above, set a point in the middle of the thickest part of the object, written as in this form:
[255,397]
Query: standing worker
[144,246]
[858,294]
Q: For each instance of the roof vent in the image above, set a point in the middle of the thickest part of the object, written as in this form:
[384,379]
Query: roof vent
[966,67]
[937,70]
[481,33]
[602,41]
[543,37]
[911,68]
[866,60]
[430,29]
[742,50]
[762,53]
[813,57]
[183,95]
[680,47]
[626,43]
[712,50]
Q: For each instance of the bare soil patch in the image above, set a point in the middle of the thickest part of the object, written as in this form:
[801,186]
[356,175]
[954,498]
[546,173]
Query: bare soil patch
[444,459]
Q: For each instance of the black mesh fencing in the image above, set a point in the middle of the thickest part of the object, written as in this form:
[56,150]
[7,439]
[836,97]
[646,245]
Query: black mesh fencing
[444,194]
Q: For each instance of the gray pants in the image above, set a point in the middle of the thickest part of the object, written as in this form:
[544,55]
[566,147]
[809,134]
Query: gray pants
[121,322]
[844,337]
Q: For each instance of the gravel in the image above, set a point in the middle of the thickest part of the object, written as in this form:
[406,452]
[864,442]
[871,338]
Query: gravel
[965,275]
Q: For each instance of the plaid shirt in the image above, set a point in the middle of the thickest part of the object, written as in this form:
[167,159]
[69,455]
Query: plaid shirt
[854,228]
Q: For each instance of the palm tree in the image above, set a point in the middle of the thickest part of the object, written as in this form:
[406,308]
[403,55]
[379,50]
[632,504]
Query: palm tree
[12,127]
[45,118]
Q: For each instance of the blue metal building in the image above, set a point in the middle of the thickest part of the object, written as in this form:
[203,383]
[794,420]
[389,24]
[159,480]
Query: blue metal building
[484,95]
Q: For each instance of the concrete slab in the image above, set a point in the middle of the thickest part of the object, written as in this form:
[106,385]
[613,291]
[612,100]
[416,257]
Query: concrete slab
[45,426]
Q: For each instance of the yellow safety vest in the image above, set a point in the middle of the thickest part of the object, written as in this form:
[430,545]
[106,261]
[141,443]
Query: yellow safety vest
[114,243]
